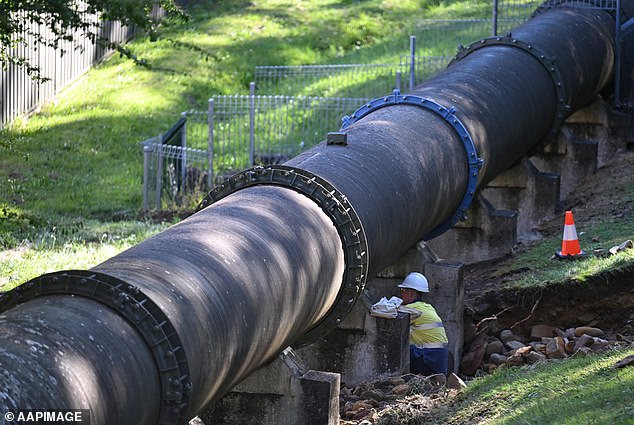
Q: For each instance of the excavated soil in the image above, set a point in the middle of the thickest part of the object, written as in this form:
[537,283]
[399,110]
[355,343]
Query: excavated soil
[606,300]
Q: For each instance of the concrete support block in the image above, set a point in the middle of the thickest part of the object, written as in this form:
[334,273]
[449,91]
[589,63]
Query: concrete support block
[283,392]
[601,123]
[487,234]
[447,296]
[363,348]
[578,161]
[532,194]
[587,140]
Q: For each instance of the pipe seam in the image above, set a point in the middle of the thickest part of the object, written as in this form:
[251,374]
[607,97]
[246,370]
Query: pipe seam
[474,162]
[140,311]
[335,204]
[550,64]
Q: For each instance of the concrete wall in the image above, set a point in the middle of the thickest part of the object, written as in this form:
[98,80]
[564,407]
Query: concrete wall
[283,392]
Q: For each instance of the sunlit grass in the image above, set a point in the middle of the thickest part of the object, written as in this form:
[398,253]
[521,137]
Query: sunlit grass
[70,176]
[581,390]
[537,266]
[576,391]
[69,244]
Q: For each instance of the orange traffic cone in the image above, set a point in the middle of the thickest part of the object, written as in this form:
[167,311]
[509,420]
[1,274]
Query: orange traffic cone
[570,245]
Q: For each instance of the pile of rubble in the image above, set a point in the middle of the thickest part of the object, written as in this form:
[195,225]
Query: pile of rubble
[385,401]
[490,350]
[366,402]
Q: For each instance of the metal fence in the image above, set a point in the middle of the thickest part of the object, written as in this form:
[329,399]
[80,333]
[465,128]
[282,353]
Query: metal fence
[259,129]
[173,176]
[432,45]
[235,133]
[20,95]
[342,80]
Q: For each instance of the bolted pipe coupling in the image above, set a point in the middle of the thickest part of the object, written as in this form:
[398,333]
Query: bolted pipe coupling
[137,309]
[335,204]
[474,163]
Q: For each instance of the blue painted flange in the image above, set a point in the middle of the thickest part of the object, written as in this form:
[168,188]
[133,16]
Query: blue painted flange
[448,114]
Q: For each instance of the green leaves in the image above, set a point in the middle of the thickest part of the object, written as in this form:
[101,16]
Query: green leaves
[29,25]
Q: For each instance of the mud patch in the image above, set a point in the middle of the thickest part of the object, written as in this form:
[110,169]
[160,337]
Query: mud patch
[606,302]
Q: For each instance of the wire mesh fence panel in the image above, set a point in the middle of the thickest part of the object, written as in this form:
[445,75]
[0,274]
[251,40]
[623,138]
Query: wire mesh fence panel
[297,106]
[173,176]
[441,38]
[248,130]
[593,4]
[345,80]
[512,13]
[231,130]
[287,125]
[425,68]
[224,132]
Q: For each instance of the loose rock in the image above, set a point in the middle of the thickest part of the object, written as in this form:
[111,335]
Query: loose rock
[588,331]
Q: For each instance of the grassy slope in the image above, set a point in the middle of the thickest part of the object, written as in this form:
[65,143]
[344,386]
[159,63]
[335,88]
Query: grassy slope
[577,391]
[586,390]
[71,175]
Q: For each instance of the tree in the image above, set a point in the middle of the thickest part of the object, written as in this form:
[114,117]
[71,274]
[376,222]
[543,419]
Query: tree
[68,19]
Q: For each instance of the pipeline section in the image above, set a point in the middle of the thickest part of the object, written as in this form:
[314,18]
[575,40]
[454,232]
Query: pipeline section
[277,256]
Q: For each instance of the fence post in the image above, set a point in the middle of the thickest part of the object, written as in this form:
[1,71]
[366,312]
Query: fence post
[159,175]
[494,22]
[397,82]
[146,177]
[183,137]
[412,62]
[210,143]
[252,123]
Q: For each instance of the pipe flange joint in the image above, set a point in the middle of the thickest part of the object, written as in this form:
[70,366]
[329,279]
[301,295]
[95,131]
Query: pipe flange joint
[336,205]
[550,64]
[474,163]
[137,309]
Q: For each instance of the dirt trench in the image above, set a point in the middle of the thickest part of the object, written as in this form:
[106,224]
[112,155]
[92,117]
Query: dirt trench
[606,302]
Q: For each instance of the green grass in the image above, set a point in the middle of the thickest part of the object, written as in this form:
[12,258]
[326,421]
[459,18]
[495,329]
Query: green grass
[79,158]
[70,175]
[576,391]
[70,243]
[581,390]
[537,265]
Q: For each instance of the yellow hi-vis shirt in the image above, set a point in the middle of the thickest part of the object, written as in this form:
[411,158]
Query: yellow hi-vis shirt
[426,327]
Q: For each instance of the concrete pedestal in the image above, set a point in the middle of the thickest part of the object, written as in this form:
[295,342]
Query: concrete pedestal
[513,204]
[363,348]
[283,392]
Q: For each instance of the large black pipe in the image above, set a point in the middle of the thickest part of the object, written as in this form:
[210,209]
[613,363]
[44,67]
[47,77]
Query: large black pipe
[278,255]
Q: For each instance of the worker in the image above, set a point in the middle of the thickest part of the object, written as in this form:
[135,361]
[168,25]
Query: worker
[427,337]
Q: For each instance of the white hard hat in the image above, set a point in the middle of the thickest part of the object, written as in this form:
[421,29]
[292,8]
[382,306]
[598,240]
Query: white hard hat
[415,281]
